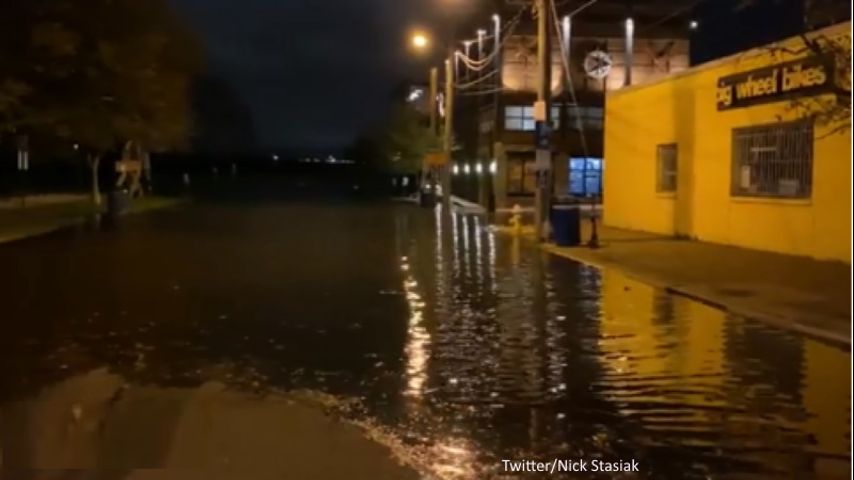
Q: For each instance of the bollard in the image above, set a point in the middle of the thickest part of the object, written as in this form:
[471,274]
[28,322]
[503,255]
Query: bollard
[516,220]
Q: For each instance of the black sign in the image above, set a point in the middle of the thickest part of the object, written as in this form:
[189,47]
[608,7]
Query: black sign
[807,76]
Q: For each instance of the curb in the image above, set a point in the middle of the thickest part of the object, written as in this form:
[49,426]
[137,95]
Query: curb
[779,321]
[74,222]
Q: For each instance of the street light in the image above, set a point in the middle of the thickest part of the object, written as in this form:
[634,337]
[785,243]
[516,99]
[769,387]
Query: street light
[420,41]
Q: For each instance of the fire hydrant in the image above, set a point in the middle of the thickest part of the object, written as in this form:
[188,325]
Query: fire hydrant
[516,220]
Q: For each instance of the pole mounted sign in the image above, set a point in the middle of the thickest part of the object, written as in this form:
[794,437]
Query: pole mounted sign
[543,132]
[807,76]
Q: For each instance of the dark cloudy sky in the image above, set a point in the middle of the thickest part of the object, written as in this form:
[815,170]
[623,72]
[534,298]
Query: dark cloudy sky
[313,72]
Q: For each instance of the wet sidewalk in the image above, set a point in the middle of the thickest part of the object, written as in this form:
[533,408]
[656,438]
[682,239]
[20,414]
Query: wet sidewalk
[796,293]
[39,216]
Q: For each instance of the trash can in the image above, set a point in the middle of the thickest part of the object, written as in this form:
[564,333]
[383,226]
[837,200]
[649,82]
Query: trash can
[118,202]
[566,225]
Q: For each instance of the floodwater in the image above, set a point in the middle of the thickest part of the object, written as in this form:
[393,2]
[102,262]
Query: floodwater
[455,346]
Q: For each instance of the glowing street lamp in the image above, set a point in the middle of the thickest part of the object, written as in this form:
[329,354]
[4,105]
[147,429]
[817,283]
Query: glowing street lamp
[420,41]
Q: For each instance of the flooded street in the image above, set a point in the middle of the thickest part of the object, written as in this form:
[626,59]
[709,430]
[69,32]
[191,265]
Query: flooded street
[453,345]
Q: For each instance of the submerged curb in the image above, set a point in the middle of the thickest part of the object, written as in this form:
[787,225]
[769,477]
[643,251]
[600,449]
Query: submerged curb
[780,321]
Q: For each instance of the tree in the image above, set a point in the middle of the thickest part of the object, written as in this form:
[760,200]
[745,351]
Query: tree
[406,141]
[833,110]
[98,73]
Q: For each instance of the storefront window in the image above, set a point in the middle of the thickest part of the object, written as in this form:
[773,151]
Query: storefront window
[521,179]
[585,176]
[773,160]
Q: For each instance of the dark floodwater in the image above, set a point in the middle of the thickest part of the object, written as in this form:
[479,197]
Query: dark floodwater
[461,346]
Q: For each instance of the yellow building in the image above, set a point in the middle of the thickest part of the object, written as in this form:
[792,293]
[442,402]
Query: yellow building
[750,150]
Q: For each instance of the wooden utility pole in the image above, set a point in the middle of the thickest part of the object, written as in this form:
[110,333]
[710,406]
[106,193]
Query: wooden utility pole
[543,162]
[449,133]
[434,93]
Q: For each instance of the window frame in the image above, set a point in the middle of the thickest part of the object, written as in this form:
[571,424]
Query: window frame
[517,189]
[671,186]
[800,135]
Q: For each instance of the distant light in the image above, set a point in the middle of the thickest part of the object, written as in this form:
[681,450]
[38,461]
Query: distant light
[467,169]
[478,168]
[456,169]
[275,158]
[415,94]
[630,27]
[493,167]
[693,24]
[481,32]
[76,146]
[496,18]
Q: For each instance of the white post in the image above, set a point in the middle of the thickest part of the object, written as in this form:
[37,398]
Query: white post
[630,40]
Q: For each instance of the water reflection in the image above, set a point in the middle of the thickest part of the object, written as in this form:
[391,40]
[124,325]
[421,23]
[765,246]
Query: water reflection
[536,357]
[463,345]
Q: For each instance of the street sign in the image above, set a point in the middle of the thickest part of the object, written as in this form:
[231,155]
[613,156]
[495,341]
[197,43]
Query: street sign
[543,134]
[436,159]
[597,64]
[543,160]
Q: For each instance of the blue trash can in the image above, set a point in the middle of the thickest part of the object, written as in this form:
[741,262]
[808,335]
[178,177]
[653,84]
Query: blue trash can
[566,225]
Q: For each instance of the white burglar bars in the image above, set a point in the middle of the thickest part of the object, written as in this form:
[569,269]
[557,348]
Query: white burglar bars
[773,160]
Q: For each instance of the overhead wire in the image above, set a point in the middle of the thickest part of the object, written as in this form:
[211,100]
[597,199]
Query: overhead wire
[564,59]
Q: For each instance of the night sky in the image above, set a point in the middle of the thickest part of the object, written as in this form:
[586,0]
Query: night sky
[314,73]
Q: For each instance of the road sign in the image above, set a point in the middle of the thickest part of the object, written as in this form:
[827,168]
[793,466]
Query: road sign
[543,160]
[597,64]
[436,159]
[544,134]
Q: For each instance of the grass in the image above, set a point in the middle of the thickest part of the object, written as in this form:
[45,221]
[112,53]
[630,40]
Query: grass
[18,223]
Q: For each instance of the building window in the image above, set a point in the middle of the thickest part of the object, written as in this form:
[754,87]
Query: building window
[773,160]
[521,179]
[667,165]
[521,118]
[585,176]
[592,118]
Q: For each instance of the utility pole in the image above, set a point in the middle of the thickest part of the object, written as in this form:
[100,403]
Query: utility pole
[449,132]
[434,93]
[428,174]
[543,162]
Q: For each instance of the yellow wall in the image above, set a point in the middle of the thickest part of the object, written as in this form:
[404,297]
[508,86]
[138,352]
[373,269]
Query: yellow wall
[682,109]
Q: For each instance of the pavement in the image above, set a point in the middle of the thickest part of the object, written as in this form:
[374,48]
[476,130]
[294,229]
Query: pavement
[97,426]
[48,213]
[796,293]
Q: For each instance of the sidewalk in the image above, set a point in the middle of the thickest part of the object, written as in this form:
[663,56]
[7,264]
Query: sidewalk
[809,296]
[41,218]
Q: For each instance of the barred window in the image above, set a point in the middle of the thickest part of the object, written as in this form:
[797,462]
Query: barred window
[667,165]
[773,160]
